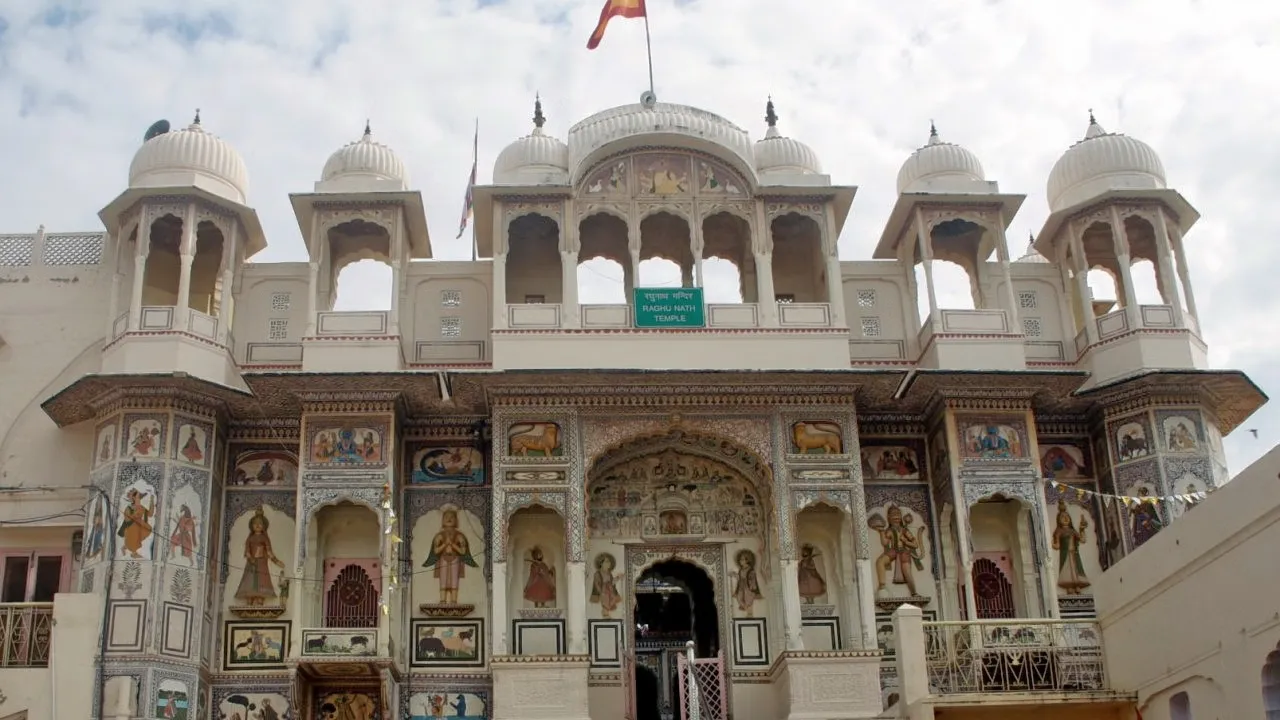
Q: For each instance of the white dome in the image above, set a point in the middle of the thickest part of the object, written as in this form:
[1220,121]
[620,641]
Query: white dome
[191,157]
[783,155]
[938,161]
[613,124]
[535,158]
[1032,255]
[1100,162]
[365,159]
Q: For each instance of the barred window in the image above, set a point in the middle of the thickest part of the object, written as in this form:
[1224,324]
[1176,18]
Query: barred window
[451,327]
[871,327]
[281,301]
[1031,327]
[866,298]
[278,329]
[1027,299]
[451,298]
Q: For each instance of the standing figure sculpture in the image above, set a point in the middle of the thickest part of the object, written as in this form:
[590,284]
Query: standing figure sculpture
[255,584]
[450,554]
[1067,541]
[812,586]
[902,549]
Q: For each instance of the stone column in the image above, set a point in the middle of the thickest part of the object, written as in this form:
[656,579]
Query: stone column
[768,300]
[792,622]
[1083,294]
[1184,272]
[498,608]
[1123,259]
[1168,281]
[835,278]
[398,255]
[1002,254]
[912,662]
[187,255]
[866,601]
[631,280]
[926,257]
[962,526]
[140,269]
[226,299]
[577,607]
[697,246]
[499,290]
[114,307]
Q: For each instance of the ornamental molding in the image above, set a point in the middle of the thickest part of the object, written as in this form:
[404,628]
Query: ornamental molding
[620,210]
[154,397]
[684,396]
[738,209]
[463,428]
[381,213]
[810,207]
[985,216]
[878,425]
[269,429]
[362,401]
[518,208]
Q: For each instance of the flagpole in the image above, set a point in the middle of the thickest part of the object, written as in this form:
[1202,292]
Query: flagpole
[648,47]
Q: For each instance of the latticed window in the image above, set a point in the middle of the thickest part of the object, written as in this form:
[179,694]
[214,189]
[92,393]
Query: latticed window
[15,250]
[1027,300]
[451,298]
[1032,327]
[280,301]
[871,327]
[451,327]
[992,591]
[866,298]
[352,600]
[76,249]
[278,329]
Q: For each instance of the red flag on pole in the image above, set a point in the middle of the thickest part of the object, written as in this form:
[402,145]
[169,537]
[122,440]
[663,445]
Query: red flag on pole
[612,9]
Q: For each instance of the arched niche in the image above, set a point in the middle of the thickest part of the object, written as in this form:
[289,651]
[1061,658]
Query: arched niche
[206,269]
[260,559]
[825,573]
[603,255]
[448,570]
[537,574]
[665,234]
[964,243]
[347,556]
[1002,535]
[799,259]
[533,265]
[727,258]
[351,242]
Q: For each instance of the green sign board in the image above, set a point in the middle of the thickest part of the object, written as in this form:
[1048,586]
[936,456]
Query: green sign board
[670,308]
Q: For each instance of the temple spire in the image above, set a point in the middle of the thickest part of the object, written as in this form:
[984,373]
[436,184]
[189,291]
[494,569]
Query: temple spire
[770,117]
[538,118]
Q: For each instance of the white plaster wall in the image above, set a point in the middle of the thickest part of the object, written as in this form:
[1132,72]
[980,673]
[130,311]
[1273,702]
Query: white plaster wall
[1211,575]
[429,283]
[253,309]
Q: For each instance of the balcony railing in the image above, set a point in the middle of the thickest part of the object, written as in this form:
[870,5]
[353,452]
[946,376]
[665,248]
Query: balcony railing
[1007,656]
[27,630]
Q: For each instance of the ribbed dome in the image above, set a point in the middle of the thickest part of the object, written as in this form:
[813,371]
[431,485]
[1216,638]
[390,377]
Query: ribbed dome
[938,160]
[190,157]
[533,158]
[616,123]
[779,154]
[365,158]
[1100,162]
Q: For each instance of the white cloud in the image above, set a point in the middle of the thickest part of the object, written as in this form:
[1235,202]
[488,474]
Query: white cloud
[287,82]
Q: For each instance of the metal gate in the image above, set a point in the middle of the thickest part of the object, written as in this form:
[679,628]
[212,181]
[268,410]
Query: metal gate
[711,700]
[629,685]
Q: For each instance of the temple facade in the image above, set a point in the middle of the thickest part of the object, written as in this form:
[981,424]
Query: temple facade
[834,497]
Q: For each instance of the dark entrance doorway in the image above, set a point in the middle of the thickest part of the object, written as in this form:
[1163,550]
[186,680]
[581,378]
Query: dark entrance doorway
[675,602]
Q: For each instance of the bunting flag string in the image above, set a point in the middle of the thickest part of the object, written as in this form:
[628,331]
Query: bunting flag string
[1184,499]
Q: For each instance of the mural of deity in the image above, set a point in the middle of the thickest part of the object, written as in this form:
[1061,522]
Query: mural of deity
[95,539]
[746,589]
[106,445]
[456,466]
[449,555]
[604,584]
[1180,435]
[255,587]
[193,444]
[890,463]
[136,529]
[611,179]
[347,446]
[247,706]
[1062,462]
[1144,518]
[540,588]
[348,706]
[903,551]
[145,438]
[992,442]
[182,541]
[1067,539]
[456,705]
[663,175]
[265,468]
[812,586]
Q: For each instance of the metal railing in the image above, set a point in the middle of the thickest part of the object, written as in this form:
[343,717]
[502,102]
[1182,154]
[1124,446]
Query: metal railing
[993,656]
[27,631]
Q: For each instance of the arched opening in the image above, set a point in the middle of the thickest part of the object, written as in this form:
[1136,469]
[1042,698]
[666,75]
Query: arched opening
[163,269]
[728,266]
[1271,685]
[799,266]
[360,258]
[958,253]
[536,582]
[1001,530]
[675,602]
[665,236]
[1180,707]
[1143,257]
[952,284]
[206,270]
[603,260]
[1103,288]
[348,548]
[533,265]
[648,691]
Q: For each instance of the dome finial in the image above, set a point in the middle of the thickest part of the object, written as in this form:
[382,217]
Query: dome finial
[933,133]
[538,118]
[1094,128]
[368,129]
[770,117]
[196,121]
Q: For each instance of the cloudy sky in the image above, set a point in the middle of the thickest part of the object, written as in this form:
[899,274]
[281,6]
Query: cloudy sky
[289,81]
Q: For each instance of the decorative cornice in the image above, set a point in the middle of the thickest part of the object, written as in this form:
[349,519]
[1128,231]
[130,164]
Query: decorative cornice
[264,429]
[158,396]
[880,424]
[362,401]
[673,396]
[330,205]
[1062,425]
[440,427]
[540,659]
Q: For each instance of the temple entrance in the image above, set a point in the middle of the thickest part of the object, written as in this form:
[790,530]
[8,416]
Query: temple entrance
[675,603]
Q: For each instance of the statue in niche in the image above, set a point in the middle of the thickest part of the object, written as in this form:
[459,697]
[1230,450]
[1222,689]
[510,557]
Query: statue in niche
[812,586]
[1067,541]
[747,589]
[450,553]
[540,589]
[604,585]
[255,583]
[902,548]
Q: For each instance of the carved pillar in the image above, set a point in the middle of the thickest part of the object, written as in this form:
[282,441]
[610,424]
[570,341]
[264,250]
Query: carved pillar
[313,276]
[1123,259]
[696,247]
[570,248]
[577,607]
[791,619]
[1002,254]
[762,252]
[1084,297]
[226,299]
[1168,281]
[835,279]
[1184,272]
[116,239]
[963,541]
[926,257]
[631,275]
[498,608]
[499,267]
[140,268]
[397,258]
[187,255]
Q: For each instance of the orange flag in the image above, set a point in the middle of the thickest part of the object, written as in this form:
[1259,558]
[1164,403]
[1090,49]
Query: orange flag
[615,8]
